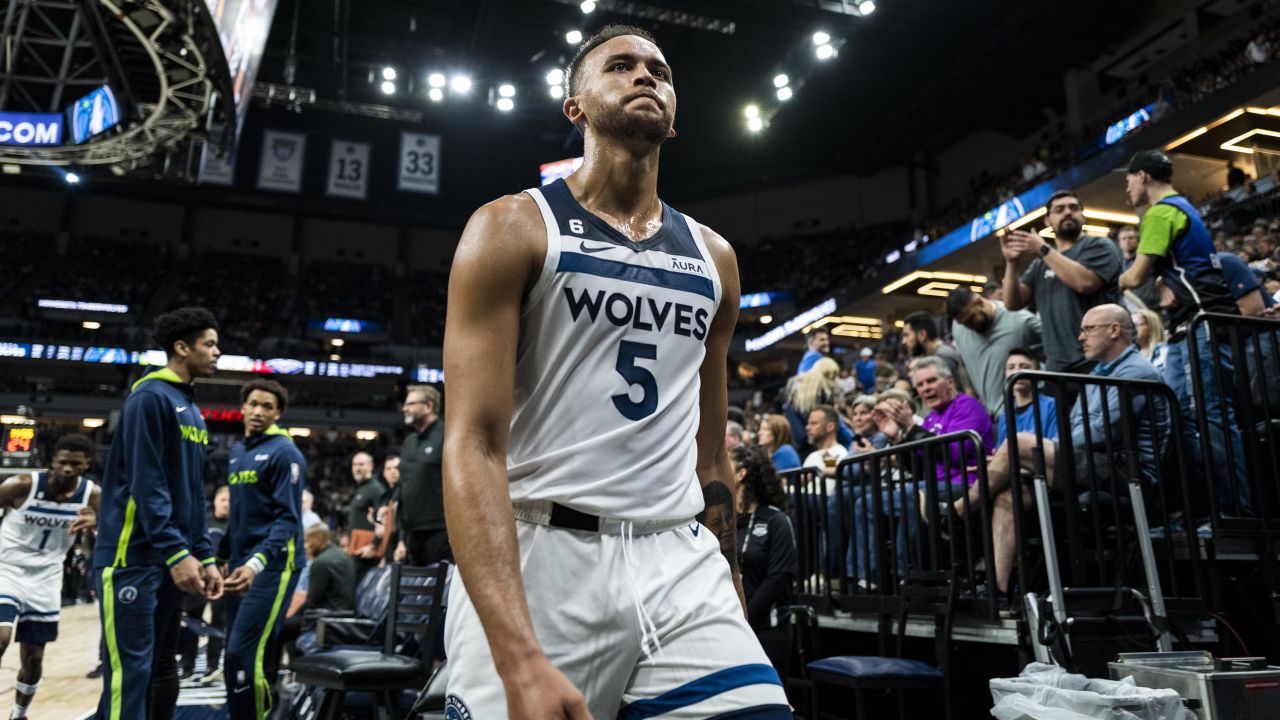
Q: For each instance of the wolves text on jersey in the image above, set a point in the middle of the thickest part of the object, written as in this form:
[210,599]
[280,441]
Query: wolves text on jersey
[639,312]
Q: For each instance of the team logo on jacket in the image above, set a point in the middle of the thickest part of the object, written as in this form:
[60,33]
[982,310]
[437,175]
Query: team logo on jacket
[295,471]
[455,709]
[127,594]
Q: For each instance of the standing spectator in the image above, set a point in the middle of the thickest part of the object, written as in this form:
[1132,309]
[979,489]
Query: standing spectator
[1127,239]
[1175,244]
[775,441]
[1235,176]
[808,390]
[359,523]
[993,290]
[866,368]
[424,537]
[920,338]
[1026,409]
[767,556]
[986,332]
[818,346]
[1062,279]
[1150,337]
[385,531]
[847,383]
[1259,49]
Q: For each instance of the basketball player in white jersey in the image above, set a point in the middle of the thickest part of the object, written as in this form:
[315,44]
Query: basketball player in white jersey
[586,341]
[43,513]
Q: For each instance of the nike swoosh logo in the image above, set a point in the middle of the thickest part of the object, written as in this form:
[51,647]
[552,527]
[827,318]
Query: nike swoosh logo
[587,249]
[180,409]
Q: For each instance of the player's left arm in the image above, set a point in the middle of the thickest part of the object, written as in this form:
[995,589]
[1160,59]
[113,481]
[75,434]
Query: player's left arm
[14,490]
[87,517]
[715,472]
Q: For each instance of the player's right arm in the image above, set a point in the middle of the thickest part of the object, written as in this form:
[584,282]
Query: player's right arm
[498,259]
[145,422]
[14,490]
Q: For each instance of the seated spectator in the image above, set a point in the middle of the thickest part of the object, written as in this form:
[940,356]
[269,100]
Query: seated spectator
[309,516]
[775,441]
[1026,410]
[985,333]
[1151,337]
[734,435]
[949,412]
[1107,338]
[768,557]
[328,584]
[827,453]
[818,346]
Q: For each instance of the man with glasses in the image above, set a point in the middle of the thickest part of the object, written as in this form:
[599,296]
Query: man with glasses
[1106,338]
[420,509]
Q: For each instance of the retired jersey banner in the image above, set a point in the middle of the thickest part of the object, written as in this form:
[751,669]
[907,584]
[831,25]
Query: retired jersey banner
[281,167]
[348,170]
[419,163]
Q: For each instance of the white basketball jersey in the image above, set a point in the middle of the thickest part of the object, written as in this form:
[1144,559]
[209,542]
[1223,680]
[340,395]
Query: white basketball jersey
[35,534]
[611,341]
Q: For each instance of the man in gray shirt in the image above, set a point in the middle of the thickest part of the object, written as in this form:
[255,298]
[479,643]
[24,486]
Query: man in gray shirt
[1061,280]
[985,331]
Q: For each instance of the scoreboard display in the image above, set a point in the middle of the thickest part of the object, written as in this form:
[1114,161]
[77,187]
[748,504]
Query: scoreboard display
[18,446]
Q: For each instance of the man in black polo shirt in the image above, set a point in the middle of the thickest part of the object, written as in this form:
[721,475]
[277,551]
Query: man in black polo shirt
[1062,279]
[420,511]
[369,490]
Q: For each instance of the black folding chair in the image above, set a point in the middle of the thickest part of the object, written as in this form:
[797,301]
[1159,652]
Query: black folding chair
[417,601]
[930,593]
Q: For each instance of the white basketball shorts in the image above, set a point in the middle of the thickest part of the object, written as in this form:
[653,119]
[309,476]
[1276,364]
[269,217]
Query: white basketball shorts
[591,596]
[31,598]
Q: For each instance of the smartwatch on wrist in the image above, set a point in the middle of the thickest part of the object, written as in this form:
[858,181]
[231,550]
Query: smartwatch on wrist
[1045,249]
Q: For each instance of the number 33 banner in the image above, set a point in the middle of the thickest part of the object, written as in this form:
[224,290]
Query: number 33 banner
[348,170]
[419,163]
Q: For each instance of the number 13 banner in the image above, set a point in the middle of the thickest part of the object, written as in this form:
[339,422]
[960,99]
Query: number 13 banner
[348,170]
[419,163]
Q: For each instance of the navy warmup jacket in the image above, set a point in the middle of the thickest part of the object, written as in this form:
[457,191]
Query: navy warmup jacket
[266,473]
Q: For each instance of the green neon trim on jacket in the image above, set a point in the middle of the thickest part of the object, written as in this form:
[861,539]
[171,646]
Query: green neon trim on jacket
[166,374]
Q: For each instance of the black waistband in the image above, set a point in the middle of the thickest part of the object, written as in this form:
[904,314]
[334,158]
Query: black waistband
[566,517]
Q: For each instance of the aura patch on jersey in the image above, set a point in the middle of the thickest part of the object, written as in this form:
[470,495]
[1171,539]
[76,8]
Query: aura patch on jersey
[638,312]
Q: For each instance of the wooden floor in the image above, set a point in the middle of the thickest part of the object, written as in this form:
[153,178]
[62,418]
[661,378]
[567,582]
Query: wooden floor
[65,693]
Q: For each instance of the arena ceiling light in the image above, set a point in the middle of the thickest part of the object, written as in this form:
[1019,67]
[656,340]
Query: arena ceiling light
[781,80]
[506,90]
[866,7]
[71,178]
[557,92]
[555,76]
[366,434]
[505,104]
[821,38]
[388,73]
[785,93]
[388,87]
[93,423]
[299,432]
[573,37]
[1113,217]
[91,325]
[825,52]
[435,94]
[926,275]
[436,80]
[588,7]
[460,84]
[766,319]
[751,111]
[337,342]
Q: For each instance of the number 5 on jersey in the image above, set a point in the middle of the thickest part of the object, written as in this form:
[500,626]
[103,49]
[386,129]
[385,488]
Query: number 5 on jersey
[628,353]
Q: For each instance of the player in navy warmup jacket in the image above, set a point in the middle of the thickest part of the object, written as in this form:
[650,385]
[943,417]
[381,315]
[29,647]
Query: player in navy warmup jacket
[152,545]
[264,547]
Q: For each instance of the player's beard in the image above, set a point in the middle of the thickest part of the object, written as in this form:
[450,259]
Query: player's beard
[615,121]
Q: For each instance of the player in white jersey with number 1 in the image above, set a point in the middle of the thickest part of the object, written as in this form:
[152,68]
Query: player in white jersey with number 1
[43,513]
[588,491]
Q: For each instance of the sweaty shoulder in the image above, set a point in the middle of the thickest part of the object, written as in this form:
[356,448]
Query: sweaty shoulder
[722,253]
[505,239]
[14,490]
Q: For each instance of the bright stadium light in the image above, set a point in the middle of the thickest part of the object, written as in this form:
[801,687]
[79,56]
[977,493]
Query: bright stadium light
[460,84]
[784,94]
[91,325]
[821,38]
[555,76]
[435,94]
[71,178]
[505,104]
[436,80]
[866,7]
[388,73]
[825,52]
[755,124]
[557,92]
[588,7]
[573,37]
[388,87]
[751,111]
[506,90]
[781,80]
[766,319]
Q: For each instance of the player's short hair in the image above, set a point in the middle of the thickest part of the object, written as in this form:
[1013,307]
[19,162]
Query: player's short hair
[185,324]
[74,442]
[1061,194]
[1024,352]
[829,412]
[958,300]
[606,34]
[270,386]
[429,392]
[919,321]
